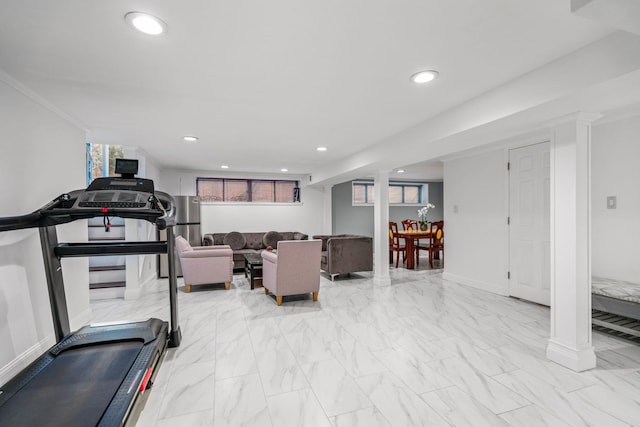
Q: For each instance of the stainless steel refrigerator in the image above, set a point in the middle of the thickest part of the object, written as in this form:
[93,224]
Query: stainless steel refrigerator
[187,226]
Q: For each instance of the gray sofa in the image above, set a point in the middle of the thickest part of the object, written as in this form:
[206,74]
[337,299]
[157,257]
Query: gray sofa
[345,253]
[250,243]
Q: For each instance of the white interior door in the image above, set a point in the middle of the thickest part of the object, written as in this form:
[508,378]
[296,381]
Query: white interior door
[529,235]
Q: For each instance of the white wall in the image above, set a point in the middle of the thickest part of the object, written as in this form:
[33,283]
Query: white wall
[306,217]
[41,156]
[476,235]
[615,171]
[141,269]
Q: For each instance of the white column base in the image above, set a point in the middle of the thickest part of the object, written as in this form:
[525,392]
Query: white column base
[575,359]
[380,280]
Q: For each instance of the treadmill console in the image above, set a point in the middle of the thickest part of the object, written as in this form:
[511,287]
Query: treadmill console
[122,199]
[115,183]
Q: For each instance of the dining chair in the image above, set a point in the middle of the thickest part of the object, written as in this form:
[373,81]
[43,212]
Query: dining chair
[436,241]
[410,224]
[395,245]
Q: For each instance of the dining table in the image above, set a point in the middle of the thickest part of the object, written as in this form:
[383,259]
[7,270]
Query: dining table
[410,237]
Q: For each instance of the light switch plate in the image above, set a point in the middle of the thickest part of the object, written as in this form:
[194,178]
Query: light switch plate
[611,202]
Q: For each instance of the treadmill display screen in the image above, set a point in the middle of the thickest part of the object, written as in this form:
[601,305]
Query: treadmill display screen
[105,196]
[124,183]
[127,197]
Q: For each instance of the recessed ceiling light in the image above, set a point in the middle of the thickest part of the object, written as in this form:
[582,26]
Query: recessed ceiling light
[400,170]
[224,167]
[190,138]
[321,148]
[424,76]
[284,170]
[145,23]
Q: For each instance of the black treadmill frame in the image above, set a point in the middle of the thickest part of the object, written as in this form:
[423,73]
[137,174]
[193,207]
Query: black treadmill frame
[59,211]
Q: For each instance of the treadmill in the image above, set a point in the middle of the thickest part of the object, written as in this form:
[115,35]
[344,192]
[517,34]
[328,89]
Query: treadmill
[97,375]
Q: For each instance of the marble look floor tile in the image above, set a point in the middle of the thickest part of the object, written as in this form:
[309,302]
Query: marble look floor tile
[619,406]
[537,313]
[368,417]
[153,404]
[265,335]
[280,372]
[293,324]
[194,350]
[235,358]
[614,359]
[228,331]
[308,347]
[189,389]
[397,403]
[298,408]
[413,314]
[239,401]
[355,358]
[328,329]
[489,392]
[459,409]
[194,419]
[369,336]
[415,373]
[482,360]
[482,339]
[559,403]
[532,416]
[621,381]
[554,374]
[335,389]
[200,323]
[422,349]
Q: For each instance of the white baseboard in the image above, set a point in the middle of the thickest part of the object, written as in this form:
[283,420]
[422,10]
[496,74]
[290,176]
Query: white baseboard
[23,360]
[478,284]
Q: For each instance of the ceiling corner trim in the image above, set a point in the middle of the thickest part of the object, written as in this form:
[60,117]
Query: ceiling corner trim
[26,91]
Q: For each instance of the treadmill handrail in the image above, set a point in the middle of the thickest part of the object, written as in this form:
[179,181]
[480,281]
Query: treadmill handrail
[59,211]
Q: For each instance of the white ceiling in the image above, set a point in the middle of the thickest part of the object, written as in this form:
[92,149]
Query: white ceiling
[263,83]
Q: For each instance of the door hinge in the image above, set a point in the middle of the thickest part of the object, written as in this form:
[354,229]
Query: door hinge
[508,166]
[508,275]
[508,220]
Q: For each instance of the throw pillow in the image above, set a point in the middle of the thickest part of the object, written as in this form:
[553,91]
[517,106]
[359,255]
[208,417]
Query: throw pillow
[271,238]
[235,240]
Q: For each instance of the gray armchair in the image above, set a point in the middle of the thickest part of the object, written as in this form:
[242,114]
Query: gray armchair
[295,269]
[346,253]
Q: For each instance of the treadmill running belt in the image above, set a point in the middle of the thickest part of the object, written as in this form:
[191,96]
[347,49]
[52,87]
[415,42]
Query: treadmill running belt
[75,389]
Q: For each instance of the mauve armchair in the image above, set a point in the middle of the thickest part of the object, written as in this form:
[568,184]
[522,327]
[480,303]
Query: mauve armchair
[205,264]
[295,269]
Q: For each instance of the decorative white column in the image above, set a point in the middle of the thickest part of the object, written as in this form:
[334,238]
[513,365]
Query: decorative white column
[570,341]
[327,214]
[381,229]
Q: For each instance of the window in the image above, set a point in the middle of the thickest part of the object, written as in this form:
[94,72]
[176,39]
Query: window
[245,190]
[399,193]
[101,160]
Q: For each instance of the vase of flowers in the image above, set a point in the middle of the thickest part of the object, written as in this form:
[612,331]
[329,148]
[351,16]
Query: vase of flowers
[422,216]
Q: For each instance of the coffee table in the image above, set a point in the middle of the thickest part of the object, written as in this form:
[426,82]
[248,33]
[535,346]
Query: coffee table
[253,268]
